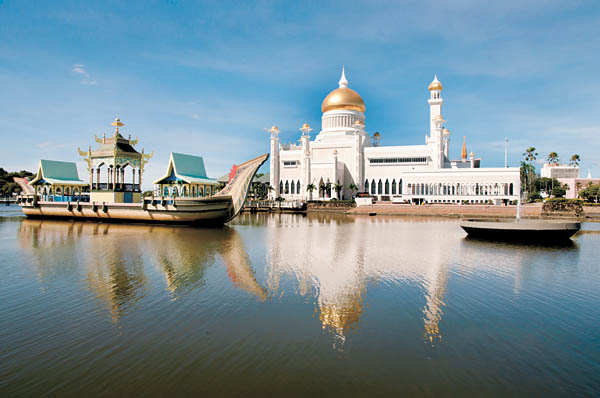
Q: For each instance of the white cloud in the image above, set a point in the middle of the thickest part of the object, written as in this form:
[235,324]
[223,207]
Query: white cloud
[79,69]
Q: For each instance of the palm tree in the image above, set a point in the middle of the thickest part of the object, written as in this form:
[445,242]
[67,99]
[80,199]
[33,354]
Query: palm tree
[353,188]
[553,158]
[338,188]
[575,160]
[530,155]
[310,188]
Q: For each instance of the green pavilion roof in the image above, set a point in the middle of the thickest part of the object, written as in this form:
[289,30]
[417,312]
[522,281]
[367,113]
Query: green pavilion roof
[186,168]
[57,172]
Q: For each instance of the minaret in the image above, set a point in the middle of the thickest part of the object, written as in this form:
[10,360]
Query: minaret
[358,149]
[436,122]
[437,141]
[435,103]
[305,142]
[274,169]
[335,175]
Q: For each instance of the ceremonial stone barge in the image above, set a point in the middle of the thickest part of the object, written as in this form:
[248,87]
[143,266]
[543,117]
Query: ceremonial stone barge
[183,195]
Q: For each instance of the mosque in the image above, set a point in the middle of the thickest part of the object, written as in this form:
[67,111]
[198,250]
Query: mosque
[344,159]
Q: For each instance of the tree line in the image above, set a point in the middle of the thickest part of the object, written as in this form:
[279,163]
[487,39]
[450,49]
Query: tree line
[533,185]
[7,185]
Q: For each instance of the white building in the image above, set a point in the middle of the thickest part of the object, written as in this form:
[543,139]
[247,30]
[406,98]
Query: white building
[343,153]
[568,175]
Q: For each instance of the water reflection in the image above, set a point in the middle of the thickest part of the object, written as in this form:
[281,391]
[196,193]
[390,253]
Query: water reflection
[335,257]
[330,260]
[114,255]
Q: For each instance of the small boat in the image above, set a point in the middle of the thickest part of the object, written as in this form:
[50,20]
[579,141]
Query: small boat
[521,230]
[518,230]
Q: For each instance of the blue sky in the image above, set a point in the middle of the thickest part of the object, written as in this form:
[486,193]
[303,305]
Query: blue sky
[208,78]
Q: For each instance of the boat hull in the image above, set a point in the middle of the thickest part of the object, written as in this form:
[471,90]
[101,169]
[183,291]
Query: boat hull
[523,231]
[208,211]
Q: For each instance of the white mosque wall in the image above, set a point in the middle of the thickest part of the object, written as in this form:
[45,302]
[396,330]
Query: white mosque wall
[479,185]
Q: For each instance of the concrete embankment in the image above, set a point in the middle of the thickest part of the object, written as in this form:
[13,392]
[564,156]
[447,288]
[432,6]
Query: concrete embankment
[533,210]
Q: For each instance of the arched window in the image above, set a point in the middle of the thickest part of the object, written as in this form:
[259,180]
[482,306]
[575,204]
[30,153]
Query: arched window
[293,188]
[280,187]
[193,192]
[67,191]
[394,186]
[373,187]
[185,191]
[166,191]
[76,191]
[287,188]
[511,189]
[380,187]
[400,187]
[174,191]
[387,187]
[298,187]
[366,185]
[58,192]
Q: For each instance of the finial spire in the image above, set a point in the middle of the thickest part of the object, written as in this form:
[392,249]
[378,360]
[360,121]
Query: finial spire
[343,81]
[464,148]
[117,123]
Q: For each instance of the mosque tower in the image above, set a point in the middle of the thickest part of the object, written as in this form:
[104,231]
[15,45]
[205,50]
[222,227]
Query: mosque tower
[436,134]
[274,164]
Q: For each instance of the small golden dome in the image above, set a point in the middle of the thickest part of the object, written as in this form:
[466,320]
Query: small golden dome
[305,126]
[438,117]
[435,84]
[343,98]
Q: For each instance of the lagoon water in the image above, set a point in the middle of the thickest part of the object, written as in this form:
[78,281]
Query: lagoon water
[292,305]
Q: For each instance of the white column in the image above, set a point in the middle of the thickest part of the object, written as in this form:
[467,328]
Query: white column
[274,164]
[335,175]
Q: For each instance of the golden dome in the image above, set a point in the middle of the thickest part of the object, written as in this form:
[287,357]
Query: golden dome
[435,84]
[305,126]
[343,98]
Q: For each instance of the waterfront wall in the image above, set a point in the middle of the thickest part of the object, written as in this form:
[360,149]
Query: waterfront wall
[532,210]
[333,205]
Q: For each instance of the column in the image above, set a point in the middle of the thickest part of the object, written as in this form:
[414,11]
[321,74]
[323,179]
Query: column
[98,178]
[132,179]
[274,166]
[140,178]
[91,178]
